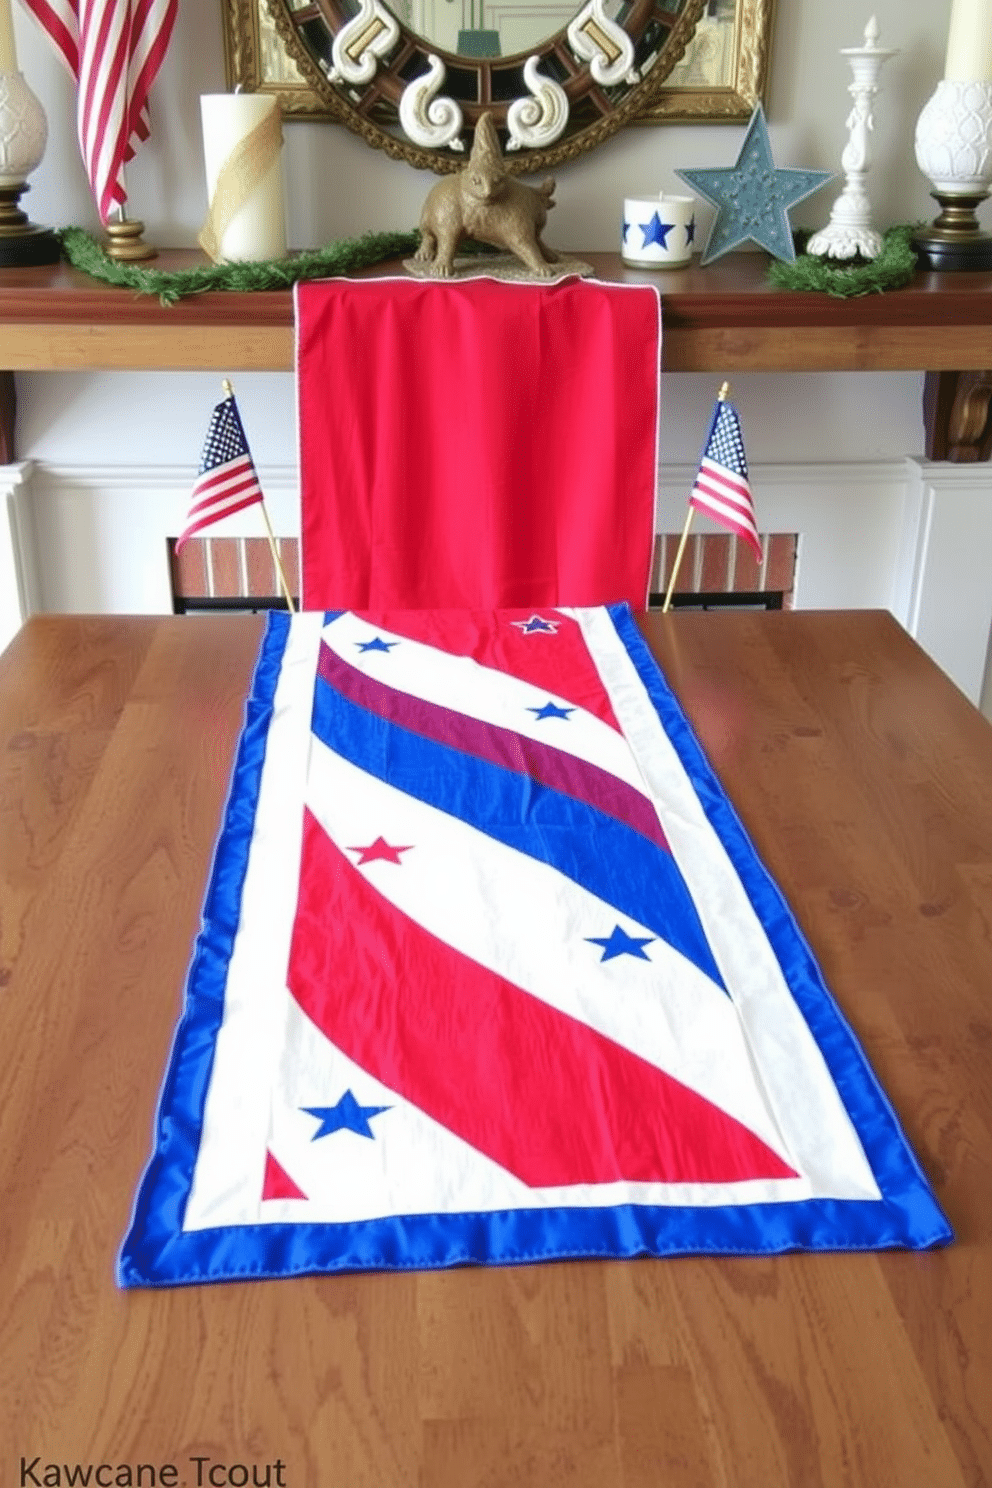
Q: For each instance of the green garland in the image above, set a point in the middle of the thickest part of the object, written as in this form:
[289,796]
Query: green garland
[85,253]
[894,267]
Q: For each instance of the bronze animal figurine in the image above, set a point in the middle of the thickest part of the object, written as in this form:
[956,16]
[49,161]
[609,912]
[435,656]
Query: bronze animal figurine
[485,202]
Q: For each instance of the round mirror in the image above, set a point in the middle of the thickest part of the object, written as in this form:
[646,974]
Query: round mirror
[414,78]
[473,28]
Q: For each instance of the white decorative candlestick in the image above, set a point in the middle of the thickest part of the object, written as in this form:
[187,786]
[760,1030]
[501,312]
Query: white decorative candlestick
[849,231]
[23,136]
[954,143]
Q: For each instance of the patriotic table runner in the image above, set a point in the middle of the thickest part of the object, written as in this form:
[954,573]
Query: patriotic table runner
[489,972]
[476,443]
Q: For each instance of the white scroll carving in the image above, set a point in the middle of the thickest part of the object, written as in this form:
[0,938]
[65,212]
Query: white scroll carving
[360,44]
[540,119]
[426,119]
[603,44]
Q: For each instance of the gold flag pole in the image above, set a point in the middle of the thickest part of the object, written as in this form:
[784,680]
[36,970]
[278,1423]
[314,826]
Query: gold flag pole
[229,392]
[721,397]
[278,561]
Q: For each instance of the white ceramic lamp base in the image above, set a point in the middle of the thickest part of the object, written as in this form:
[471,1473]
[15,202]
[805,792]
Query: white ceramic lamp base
[954,150]
[23,136]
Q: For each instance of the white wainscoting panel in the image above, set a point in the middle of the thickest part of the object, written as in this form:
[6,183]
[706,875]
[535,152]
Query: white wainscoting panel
[17,563]
[102,532]
[949,607]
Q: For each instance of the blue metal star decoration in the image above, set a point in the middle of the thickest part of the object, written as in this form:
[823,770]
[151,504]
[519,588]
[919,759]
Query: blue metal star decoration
[753,198]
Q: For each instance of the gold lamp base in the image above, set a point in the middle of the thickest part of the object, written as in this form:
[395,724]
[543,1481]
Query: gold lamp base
[125,242]
[22,243]
[954,240]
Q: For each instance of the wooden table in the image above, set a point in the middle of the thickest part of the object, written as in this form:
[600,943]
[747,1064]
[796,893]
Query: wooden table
[722,319]
[864,779]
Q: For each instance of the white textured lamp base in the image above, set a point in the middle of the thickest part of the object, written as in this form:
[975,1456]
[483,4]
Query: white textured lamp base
[954,150]
[23,135]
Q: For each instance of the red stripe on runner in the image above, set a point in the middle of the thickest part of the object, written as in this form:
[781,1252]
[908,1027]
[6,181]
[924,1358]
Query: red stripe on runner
[540,1093]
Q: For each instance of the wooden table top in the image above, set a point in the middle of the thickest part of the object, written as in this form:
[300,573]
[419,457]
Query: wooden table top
[723,318]
[863,777]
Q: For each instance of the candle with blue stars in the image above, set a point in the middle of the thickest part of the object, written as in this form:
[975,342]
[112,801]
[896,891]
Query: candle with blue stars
[658,231]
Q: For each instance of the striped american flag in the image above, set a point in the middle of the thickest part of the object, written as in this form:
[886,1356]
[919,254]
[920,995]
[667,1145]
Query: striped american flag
[227,480]
[721,488]
[114,49]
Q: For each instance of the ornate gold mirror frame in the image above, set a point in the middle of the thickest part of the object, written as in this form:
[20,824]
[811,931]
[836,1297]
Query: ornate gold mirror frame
[725,69]
[713,71]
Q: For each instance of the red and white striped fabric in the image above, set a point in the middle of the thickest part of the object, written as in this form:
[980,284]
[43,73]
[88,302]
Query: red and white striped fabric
[227,481]
[722,489]
[114,49]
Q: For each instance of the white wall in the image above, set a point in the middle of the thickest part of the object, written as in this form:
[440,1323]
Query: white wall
[338,187]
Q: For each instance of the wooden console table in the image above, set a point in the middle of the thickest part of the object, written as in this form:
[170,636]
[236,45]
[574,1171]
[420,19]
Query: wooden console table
[725,318]
[862,776]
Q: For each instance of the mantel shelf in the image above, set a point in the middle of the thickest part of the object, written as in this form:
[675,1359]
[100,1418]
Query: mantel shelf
[722,319]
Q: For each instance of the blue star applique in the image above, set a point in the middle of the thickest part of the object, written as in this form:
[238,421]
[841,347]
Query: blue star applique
[655,231]
[550,710]
[753,198]
[377,645]
[537,625]
[619,943]
[347,1115]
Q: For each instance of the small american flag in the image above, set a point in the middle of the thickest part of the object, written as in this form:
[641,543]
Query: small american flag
[114,49]
[721,487]
[227,481]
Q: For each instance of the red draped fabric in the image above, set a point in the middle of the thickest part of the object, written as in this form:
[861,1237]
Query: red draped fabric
[476,443]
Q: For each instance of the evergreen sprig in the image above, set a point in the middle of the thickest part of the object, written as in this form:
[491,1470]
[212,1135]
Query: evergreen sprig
[893,268]
[341,257]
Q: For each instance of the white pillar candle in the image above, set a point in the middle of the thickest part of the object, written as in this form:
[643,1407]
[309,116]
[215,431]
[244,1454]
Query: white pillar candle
[258,229]
[969,42]
[8,52]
